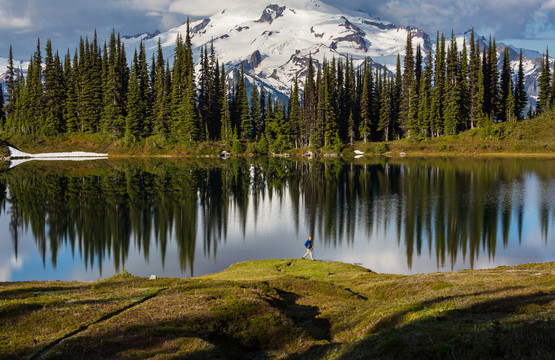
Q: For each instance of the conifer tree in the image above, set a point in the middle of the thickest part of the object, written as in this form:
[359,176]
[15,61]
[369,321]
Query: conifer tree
[188,128]
[438,98]
[378,88]
[505,88]
[244,126]
[424,104]
[552,90]
[295,114]
[53,93]
[18,118]
[452,89]
[161,96]
[95,82]
[330,108]
[474,68]
[341,100]
[464,108]
[203,89]
[269,108]
[319,128]
[262,111]
[310,103]
[412,125]
[35,98]
[418,66]
[494,81]
[255,113]
[145,90]
[544,85]
[70,105]
[351,129]
[520,98]
[396,100]
[214,95]
[510,103]
[10,85]
[386,107]
[188,55]
[89,86]
[113,117]
[486,79]
[407,93]
[482,117]
[277,130]
[365,128]
[135,112]
[177,81]
[350,99]
[225,116]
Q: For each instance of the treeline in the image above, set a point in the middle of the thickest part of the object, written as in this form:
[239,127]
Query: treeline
[96,91]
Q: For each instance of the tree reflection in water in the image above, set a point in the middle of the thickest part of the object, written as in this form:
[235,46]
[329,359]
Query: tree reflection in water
[448,207]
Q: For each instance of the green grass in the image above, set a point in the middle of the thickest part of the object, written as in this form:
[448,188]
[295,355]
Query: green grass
[286,309]
[535,136]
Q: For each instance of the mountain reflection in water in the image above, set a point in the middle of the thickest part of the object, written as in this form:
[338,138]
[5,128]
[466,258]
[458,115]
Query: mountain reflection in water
[439,209]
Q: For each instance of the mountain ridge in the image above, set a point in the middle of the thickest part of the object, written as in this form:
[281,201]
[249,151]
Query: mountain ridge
[282,50]
[273,43]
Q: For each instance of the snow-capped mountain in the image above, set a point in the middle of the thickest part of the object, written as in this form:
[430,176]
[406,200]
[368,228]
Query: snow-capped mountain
[273,43]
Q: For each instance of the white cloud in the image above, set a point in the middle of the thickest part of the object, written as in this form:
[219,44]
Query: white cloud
[22,21]
[13,19]
[548,5]
[7,268]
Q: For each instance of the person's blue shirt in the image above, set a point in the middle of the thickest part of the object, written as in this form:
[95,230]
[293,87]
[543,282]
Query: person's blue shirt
[308,244]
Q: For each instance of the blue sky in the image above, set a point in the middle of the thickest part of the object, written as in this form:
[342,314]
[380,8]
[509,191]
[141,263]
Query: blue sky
[525,24]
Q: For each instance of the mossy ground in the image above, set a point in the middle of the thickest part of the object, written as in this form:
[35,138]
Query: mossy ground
[286,309]
[528,137]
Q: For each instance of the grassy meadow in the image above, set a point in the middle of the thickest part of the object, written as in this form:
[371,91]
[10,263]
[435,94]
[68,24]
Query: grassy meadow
[286,309]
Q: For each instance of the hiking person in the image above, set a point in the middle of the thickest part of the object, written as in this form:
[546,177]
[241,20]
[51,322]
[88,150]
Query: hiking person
[309,248]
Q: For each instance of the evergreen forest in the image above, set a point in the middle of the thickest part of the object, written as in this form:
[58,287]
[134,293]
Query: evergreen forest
[98,90]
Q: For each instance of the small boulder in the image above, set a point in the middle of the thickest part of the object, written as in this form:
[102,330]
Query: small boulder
[152,277]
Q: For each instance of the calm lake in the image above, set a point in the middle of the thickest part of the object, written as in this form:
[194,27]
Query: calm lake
[67,220]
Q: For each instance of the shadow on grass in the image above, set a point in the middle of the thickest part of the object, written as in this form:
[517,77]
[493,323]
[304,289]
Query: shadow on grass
[487,330]
[145,341]
[35,291]
[14,311]
[392,321]
[223,332]
[303,316]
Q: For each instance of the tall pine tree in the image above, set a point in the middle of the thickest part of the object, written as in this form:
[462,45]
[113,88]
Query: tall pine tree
[520,97]
[544,84]
[407,94]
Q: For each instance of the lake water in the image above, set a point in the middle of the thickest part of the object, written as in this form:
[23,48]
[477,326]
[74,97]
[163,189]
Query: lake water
[88,220]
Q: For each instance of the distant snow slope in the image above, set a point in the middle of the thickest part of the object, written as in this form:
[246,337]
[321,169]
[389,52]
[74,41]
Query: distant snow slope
[4,68]
[273,43]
